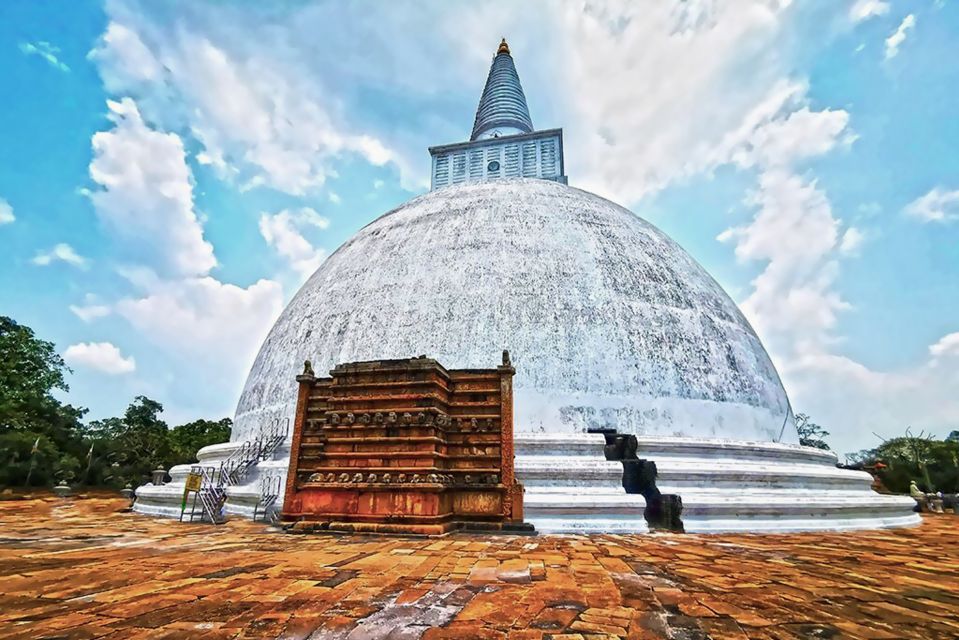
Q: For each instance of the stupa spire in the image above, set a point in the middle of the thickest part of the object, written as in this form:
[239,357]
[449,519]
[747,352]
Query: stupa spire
[503,144]
[502,108]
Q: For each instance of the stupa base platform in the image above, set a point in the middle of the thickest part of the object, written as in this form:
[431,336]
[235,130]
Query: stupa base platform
[166,500]
[724,486]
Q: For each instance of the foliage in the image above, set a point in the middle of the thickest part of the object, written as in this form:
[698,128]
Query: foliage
[933,464]
[30,369]
[187,439]
[43,440]
[810,433]
[131,446]
[17,455]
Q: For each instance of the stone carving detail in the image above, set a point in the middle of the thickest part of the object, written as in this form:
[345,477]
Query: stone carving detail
[663,511]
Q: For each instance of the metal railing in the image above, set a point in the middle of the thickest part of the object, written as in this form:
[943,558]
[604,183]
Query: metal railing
[269,494]
[208,484]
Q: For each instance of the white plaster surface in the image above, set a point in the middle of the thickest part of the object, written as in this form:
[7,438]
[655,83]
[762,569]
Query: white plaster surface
[724,485]
[609,322]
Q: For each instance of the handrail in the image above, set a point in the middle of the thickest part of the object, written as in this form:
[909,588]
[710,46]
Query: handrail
[232,471]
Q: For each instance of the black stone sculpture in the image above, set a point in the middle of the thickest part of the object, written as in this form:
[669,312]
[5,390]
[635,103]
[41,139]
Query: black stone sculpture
[663,511]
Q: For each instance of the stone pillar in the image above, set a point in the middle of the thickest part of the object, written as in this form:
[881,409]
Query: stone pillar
[513,498]
[305,380]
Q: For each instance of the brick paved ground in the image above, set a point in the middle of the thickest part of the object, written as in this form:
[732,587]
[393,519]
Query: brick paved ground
[84,569]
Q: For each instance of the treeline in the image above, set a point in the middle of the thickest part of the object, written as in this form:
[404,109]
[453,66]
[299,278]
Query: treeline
[932,463]
[43,440]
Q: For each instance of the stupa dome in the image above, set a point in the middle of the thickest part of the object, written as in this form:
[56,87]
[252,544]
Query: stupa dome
[609,322]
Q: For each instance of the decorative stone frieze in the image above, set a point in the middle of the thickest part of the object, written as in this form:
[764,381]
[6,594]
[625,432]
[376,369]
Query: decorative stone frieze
[404,446]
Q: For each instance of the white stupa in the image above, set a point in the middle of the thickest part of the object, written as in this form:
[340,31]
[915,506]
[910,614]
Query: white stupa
[610,325]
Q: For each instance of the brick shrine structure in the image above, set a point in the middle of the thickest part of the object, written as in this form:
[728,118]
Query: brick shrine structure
[404,446]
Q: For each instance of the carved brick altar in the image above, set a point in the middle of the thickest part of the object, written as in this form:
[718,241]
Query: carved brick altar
[404,446]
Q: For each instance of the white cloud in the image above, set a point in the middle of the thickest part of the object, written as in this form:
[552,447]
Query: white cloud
[798,135]
[219,325]
[60,253]
[283,232]
[866,9]
[146,200]
[894,41]
[793,304]
[335,197]
[854,401]
[124,61]
[101,356]
[6,212]
[852,241]
[938,205]
[146,193]
[947,345]
[259,120]
[46,51]
[88,313]
[92,309]
[658,93]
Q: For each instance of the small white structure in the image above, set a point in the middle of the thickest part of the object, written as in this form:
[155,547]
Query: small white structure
[610,325]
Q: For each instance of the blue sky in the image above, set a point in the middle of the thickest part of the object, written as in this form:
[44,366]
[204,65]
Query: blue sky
[173,171]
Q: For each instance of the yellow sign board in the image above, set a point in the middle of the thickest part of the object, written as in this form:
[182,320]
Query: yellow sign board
[193,482]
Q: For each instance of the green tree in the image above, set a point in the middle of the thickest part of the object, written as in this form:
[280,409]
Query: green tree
[810,433]
[30,371]
[43,440]
[21,450]
[187,439]
[129,448]
[933,464]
